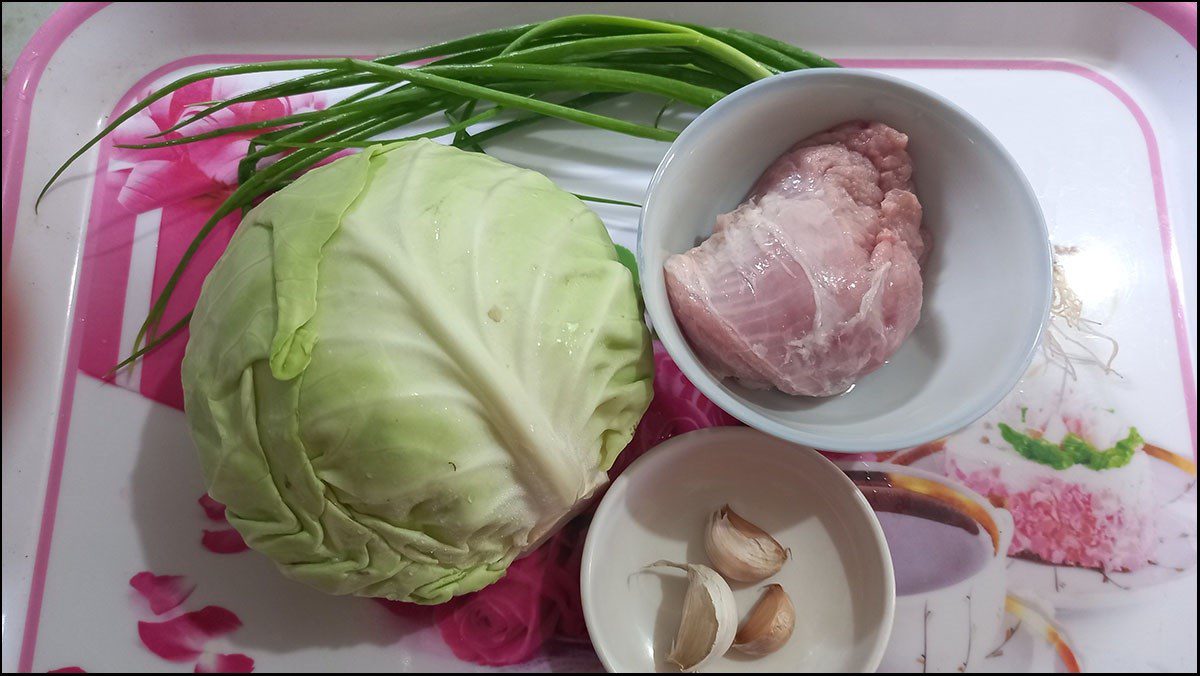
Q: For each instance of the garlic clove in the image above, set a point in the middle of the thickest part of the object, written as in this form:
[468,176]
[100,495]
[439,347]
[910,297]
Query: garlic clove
[739,550]
[769,624]
[709,619]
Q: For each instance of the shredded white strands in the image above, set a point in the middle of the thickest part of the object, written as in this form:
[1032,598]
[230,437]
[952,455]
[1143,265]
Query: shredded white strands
[1066,318]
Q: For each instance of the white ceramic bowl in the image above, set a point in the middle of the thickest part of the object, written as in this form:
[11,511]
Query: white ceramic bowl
[839,576]
[987,280]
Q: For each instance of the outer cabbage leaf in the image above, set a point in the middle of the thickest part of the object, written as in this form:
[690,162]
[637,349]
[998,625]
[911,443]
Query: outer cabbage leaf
[409,367]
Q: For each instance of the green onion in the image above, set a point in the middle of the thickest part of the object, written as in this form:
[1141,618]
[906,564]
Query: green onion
[523,72]
[717,48]
[583,78]
[606,200]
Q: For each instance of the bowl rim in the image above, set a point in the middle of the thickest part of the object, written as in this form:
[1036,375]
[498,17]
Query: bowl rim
[676,345]
[678,447]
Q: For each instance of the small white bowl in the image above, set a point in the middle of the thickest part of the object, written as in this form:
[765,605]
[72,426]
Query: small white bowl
[987,280]
[839,576]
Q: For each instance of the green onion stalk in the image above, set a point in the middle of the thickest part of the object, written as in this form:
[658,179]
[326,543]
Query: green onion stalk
[556,69]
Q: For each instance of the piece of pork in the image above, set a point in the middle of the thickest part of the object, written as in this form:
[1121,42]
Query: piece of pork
[815,280]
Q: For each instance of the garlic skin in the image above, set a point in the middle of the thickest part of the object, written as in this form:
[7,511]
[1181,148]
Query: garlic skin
[769,624]
[739,550]
[709,619]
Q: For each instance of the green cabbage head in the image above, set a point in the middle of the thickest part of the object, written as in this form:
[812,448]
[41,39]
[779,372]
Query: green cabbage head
[409,367]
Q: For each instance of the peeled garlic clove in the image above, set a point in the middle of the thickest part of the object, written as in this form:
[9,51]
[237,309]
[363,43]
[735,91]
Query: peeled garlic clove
[709,619]
[769,624]
[740,550]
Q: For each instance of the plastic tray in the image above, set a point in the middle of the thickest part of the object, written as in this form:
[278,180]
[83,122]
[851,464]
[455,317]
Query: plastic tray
[1096,101]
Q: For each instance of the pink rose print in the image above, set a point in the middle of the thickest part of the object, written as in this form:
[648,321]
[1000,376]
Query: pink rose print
[183,638]
[235,663]
[68,670]
[677,407]
[187,182]
[565,593]
[214,510]
[507,622]
[163,592]
[225,540]
[163,176]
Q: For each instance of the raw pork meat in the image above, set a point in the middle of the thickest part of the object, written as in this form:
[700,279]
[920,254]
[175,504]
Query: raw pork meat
[815,280]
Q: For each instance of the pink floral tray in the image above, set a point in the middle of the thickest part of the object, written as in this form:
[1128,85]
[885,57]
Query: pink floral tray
[114,558]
